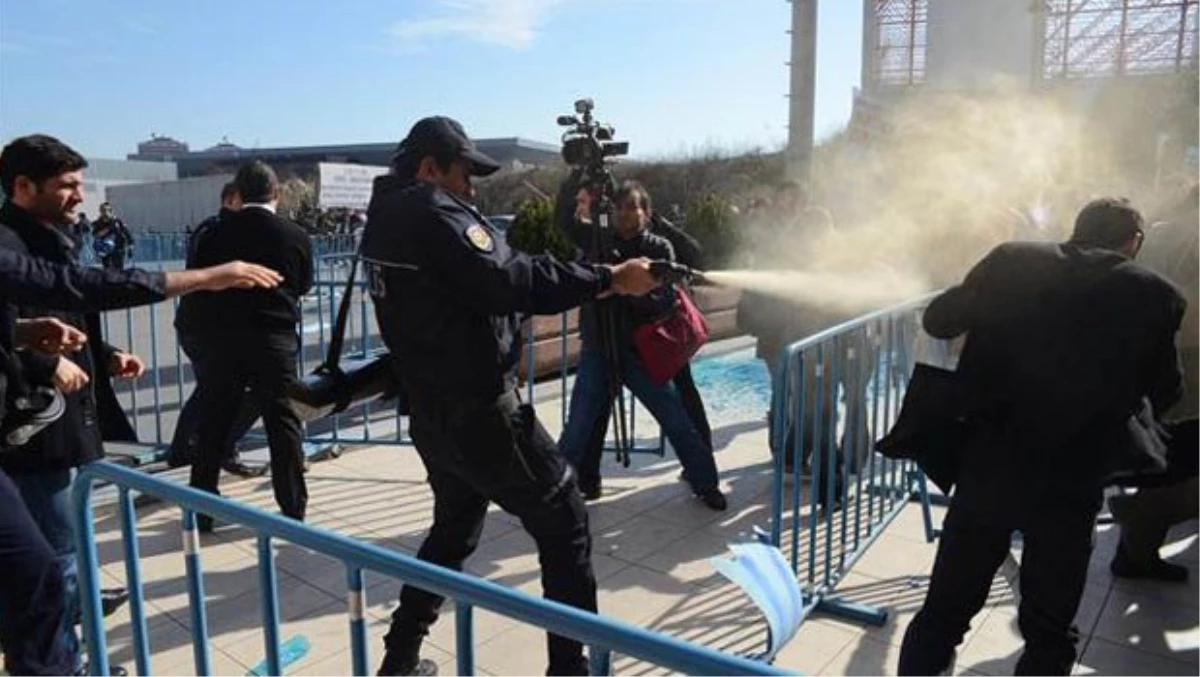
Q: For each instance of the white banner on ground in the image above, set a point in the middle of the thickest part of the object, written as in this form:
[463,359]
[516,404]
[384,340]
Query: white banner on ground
[343,185]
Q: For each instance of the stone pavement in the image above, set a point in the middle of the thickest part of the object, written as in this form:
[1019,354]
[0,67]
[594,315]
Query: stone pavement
[652,545]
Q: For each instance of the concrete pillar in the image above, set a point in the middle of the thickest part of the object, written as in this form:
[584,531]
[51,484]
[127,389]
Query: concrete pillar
[869,38]
[803,88]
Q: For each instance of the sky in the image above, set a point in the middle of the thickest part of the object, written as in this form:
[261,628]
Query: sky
[675,77]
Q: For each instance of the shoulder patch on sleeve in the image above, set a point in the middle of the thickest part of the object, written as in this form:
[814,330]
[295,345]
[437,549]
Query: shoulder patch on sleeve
[480,238]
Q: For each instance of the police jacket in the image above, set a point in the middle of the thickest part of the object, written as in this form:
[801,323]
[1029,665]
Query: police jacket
[1063,342]
[92,413]
[28,281]
[448,290]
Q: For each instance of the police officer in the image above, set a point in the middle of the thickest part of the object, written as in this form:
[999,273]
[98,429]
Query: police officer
[34,614]
[447,294]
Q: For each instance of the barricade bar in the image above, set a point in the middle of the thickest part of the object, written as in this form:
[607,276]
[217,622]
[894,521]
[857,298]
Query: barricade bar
[660,649]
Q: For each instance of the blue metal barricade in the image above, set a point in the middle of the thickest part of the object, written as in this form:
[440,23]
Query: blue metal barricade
[834,394]
[603,635]
[154,401]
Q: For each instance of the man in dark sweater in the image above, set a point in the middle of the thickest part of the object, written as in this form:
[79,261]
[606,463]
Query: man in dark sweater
[251,336]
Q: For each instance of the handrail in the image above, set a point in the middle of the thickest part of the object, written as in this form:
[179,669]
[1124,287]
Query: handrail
[825,335]
[602,634]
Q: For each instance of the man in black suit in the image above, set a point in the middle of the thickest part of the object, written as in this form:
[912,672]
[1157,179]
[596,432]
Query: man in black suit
[1063,343]
[187,428]
[251,337]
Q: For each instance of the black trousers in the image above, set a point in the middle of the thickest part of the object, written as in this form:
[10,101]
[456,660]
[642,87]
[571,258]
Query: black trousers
[262,364]
[186,439]
[685,385]
[477,452]
[33,613]
[974,543]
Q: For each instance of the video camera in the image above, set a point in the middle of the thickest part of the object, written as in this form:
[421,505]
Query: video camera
[587,144]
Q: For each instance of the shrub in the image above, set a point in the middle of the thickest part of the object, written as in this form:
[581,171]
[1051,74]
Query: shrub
[533,230]
[713,221]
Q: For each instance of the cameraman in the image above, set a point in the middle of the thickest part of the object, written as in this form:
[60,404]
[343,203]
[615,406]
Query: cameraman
[448,294]
[34,618]
[592,395]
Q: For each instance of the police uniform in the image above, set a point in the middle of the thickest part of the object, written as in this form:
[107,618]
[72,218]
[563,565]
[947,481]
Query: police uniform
[447,292]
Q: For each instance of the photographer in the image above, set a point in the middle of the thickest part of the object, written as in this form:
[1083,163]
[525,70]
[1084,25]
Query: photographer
[448,294]
[592,395]
[111,238]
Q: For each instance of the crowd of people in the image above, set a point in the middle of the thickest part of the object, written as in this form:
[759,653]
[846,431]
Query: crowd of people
[450,295]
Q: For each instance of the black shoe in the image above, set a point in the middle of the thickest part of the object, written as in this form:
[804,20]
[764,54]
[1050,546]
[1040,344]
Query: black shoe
[204,524]
[591,491]
[112,599]
[114,670]
[235,467]
[713,499]
[395,664]
[178,460]
[1156,569]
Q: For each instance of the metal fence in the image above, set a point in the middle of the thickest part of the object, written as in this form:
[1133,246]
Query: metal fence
[155,400]
[603,635]
[834,394]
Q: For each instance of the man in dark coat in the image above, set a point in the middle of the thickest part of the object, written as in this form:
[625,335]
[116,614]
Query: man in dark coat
[1064,341]
[251,338]
[187,427]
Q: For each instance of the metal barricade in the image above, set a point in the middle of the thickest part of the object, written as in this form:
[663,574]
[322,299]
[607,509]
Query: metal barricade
[603,635]
[848,494]
[154,400]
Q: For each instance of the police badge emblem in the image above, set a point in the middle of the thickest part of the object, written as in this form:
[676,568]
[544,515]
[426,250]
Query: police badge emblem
[480,238]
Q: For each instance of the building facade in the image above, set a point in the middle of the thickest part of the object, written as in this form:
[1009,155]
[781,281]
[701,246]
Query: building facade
[302,160]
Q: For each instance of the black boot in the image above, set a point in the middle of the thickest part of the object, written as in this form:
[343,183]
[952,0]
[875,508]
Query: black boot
[1152,569]
[396,663]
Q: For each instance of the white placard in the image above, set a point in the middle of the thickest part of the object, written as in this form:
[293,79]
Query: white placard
[348,186]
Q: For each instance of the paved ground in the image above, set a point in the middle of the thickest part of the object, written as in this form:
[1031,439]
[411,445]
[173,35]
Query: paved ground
[652,544]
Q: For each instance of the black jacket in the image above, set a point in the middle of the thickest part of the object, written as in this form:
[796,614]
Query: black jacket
[254,235]
[26,280]
[92,413]
[630,312]
[201,229]
[1063,342]
[448,289]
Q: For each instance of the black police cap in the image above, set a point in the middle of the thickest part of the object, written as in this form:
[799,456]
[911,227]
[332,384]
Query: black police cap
[442,136]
